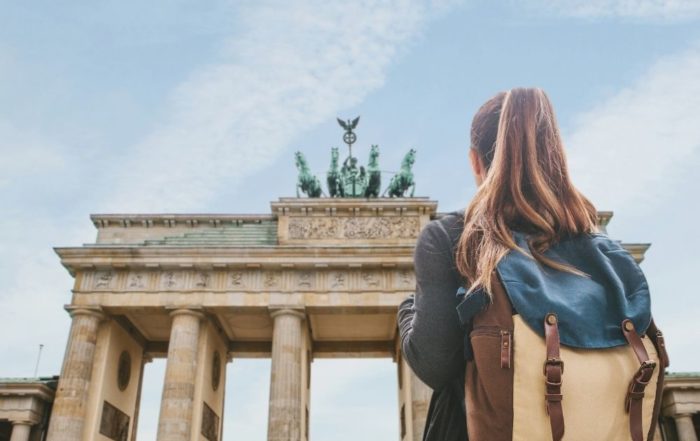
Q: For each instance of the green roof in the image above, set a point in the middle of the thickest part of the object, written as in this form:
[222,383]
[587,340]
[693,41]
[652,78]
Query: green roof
[48,381]
[683,374]
[247,234]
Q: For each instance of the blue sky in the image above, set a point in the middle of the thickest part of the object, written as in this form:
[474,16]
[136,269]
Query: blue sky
[198,107]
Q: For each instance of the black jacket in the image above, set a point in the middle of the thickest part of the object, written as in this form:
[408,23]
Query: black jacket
[447,418]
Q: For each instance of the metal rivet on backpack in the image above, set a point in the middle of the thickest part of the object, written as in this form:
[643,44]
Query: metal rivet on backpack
[551,319]
[629,327]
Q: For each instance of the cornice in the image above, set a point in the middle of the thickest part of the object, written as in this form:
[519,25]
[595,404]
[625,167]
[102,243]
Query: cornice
[100,257]
[171,220]
[352,206]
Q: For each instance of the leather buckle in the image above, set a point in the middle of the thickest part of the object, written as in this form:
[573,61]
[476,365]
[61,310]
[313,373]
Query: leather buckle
[553,362]
[648,364]
[646,369]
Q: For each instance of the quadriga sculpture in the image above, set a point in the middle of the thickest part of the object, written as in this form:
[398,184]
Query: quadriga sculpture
[306,182]
[335,189]
[374,175]
[403,180]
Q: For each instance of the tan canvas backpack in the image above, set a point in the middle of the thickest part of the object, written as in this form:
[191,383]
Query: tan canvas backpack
[523,382]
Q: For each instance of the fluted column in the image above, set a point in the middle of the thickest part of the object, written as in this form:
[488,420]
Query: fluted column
[69,408]
[285,410]
[175,421]
[420,401]
[21,430]
[685,427]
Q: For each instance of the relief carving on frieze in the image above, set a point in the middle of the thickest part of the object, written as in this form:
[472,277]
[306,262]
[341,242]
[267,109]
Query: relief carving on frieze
[137,280]
[338,280]
[354,227]
[202,279]
[405,279]
[272,279]
[104,279]
[305,279]
[236,280]
[171,280]
[256,280]
[370,279]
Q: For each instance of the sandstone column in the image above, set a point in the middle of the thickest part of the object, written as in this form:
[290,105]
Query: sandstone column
[285,409]
[69,408]
[21,430]
[420,401]
[175,421]
[685,428]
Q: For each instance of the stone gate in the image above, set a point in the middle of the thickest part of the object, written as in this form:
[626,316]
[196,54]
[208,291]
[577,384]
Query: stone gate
[315,278]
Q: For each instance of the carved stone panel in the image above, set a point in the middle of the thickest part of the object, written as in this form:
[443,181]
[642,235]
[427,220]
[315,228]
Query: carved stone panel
[254,280]
[171,280]
[237,280]
[371,280]
[272,280]
[404,279]
[202,280]
[305,280]
[210,423]
[354,227]
[114,423]
[104,280]
[338,281]
[137,280]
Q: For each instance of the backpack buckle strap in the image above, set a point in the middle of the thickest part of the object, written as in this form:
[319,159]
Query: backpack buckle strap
[553,362]
[553,369]
[639,383]
[635,392]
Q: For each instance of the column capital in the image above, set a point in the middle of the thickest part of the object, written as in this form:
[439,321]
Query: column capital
[297,311]
[76,310]
[195,311]
[683,415]
[22,422]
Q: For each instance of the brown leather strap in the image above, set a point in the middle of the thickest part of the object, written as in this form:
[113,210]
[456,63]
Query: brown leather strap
[635,393]
[506,344]
[657,338]
[553,371]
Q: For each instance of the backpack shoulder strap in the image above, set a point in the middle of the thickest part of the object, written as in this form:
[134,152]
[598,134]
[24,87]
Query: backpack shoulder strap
[635,393]
[657,337]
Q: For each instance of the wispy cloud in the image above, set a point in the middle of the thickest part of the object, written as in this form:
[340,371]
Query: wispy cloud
[634,154]
[284,67]
[636,9]
[289,66]
[625,152]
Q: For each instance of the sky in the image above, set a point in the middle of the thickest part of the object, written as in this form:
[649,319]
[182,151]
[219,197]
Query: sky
[181,106]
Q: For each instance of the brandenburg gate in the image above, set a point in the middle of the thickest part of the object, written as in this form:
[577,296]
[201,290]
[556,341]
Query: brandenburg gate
[317,277]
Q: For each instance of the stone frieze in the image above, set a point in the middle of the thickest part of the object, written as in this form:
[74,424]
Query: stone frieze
[388,227]
[249,279]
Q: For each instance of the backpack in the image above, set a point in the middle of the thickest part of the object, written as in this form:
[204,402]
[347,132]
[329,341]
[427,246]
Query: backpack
[557,356]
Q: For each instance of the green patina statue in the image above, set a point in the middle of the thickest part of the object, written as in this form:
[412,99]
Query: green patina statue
[307,182]
[351,180]
[401,181]
[374,175]
[335,190]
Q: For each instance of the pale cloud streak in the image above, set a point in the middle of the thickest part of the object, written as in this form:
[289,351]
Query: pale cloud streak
[634,154]
[653,10]
[290,66]
[626,152]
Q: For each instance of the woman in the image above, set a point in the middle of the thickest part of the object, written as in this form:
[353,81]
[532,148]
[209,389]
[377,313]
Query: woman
[527,248]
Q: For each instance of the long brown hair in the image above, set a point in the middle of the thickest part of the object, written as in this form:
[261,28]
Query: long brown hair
[526,188]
